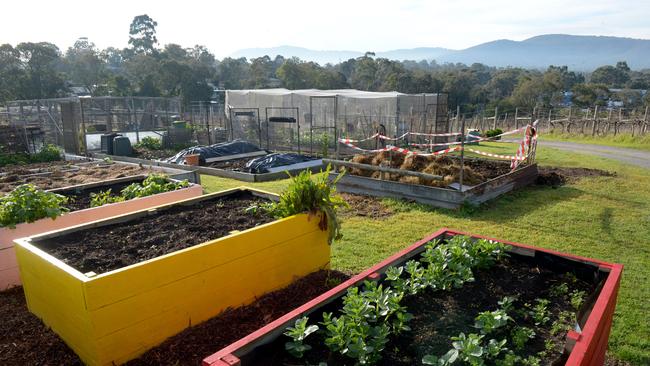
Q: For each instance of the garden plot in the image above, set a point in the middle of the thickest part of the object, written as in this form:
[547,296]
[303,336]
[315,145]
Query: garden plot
[44,211]
[434,180]
[449,299]
[78,170]
[114,288]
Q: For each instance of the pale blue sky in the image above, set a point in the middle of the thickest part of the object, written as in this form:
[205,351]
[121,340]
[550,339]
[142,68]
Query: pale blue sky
[361,25]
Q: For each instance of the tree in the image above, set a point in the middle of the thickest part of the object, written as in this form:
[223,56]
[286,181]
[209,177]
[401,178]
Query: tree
[12,75]
[142,34]
[589,94]
[40,62]
[84,64]
[611,76]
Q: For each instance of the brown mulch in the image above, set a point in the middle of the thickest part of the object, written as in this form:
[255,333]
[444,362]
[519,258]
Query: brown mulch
[106,248]
[59,177]
[557,176]
[365,206]
[200,341]
[25,340]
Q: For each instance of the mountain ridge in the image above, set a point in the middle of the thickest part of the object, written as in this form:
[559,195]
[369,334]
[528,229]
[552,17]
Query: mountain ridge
[578,52]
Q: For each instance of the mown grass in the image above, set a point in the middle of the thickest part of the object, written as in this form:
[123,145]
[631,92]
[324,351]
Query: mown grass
[620,140]
[601,217]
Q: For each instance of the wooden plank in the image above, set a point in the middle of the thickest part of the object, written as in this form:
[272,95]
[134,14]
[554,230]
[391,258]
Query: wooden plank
[227,285]
[129,281]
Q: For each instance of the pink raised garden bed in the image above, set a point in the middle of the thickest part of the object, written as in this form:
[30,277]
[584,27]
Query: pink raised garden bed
[9,274]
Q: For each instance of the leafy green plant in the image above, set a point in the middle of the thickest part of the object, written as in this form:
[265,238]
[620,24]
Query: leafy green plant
[48,153]
[26,203]
[104,198]
[559,290]
[488,321]
[469,349]
[539,312]
[315,195]
[577,299]
[298,333]
[149,142]
[153,184]
[520,336]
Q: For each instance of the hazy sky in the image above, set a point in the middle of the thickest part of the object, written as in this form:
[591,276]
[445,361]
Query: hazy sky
[379,25]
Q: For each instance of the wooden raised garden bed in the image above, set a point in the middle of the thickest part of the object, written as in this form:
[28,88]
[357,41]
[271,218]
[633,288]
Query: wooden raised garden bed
[113,289]
[314,166]
[81,213]
[440,196]
[526,275]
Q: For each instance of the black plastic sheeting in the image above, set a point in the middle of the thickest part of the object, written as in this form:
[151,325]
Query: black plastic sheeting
[214,151]
[263,164]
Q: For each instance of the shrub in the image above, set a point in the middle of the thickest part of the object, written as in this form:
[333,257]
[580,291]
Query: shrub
[49,152]
[492,133]
[26,203]
[149,142]
[314,195]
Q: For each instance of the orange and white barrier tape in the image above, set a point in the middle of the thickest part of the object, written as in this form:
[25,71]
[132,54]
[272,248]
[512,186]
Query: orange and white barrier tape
[506,157]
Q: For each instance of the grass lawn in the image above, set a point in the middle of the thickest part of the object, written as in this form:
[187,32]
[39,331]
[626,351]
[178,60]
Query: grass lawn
[620,140]
[604,217]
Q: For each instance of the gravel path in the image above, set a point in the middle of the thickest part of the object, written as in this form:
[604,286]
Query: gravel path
[630,156]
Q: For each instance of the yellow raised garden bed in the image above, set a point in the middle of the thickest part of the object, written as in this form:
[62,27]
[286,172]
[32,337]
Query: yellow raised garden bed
[116,316]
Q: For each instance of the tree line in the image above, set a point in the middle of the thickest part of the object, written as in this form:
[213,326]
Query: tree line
[41,70]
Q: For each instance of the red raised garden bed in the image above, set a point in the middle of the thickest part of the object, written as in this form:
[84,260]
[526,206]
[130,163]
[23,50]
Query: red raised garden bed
[585,345]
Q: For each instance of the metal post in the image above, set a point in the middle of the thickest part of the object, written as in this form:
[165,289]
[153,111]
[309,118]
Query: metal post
[516,118]
[462,150]
[336,126]
[496,115]
[83,126]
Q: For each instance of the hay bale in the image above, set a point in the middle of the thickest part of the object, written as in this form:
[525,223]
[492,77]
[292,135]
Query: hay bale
[396,159]
[361,159]
[415,163]
[409,180]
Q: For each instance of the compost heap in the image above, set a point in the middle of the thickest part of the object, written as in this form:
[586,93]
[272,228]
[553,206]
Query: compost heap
[435,165]
[265,163]
[214,151]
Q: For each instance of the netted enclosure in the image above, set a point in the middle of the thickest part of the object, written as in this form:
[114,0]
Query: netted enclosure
[324,116]
[77,123]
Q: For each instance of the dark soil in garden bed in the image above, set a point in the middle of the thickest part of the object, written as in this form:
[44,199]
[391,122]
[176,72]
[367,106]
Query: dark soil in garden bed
[364,206]
[25,340]
[80,200]
[106,248]
[439,315]
[200,341]
[557,176]
[149,154]
[62,174]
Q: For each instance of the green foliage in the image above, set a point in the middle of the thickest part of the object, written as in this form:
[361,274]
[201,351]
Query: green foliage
[492,133]
[149,142]
[315,195]
[298,333]
[469,349]
[153,184]
[48,153]
[521,335]
[559,290]
[577,299]
[539,312]
[26,203]
[104,198]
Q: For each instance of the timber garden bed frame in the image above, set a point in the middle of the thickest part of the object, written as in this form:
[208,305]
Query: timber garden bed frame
[9,273]
[587,347]
[116,316]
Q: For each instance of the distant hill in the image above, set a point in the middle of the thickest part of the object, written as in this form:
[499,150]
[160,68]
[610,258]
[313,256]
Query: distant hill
[582,53]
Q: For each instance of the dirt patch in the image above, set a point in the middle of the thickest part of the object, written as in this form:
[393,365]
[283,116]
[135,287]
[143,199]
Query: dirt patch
[198,342]
[235,165]
[81,200]
[557,176]
[144,153]
[364,206]
[25,340]
[106,248]
[63,174]
[475,171]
